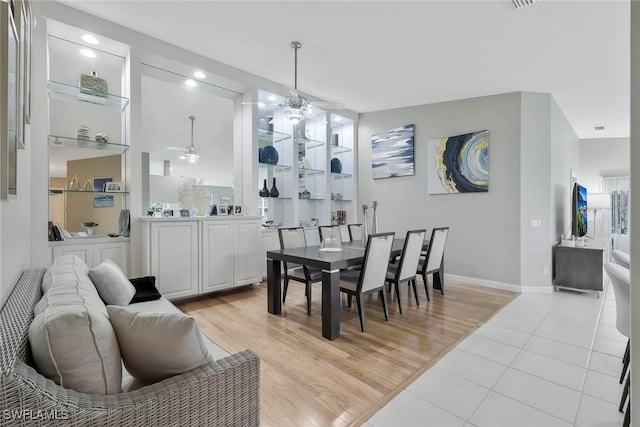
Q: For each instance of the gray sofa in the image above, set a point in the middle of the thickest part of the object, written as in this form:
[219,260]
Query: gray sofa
[224,392]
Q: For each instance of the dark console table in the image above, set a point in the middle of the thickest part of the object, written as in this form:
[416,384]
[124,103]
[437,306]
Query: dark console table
[580,267]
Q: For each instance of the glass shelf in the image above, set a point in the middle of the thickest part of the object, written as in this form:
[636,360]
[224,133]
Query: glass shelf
[65,142]
[336,175]
[311,199]
[276,198]
[272,137]
[305,143]
[275,168]
[59,191]
[340,200]
[309,172]
[73,93]
[337,149]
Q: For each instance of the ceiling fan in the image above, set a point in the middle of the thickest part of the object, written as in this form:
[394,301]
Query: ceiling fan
[191,152]
[296,104]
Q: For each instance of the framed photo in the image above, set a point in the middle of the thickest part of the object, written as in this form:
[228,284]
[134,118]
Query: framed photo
[99,183]
[237,210]
[113,187]
[103,201]
[166,213]
[222,210]
[184,212]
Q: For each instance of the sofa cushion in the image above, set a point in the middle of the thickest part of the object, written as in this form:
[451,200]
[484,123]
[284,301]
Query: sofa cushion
[145,289]
[71,338]
[112,285]
[157,345]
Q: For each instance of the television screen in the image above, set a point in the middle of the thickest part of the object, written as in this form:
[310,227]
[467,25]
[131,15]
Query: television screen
[579,228]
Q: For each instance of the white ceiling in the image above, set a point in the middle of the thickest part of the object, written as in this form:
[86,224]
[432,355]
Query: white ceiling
[374,55]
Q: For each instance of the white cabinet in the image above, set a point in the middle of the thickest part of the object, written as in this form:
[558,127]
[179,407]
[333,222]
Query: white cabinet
[94,251]
[217,256]
[173,248]
[193,256]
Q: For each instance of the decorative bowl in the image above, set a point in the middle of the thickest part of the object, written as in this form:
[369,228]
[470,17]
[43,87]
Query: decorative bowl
[269,155]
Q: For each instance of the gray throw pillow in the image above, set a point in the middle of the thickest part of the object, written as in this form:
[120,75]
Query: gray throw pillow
[112,285]
[157,345]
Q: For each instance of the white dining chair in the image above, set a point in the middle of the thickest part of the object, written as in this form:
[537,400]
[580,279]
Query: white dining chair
[406,269]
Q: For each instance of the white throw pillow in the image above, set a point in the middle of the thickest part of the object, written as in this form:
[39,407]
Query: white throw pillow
[157,345]
[112,285]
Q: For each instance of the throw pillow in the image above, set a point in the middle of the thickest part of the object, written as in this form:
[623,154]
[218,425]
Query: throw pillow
[112,285]
[159,345]
[145,289]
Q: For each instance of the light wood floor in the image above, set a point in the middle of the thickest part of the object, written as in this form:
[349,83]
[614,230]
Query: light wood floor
[307,380]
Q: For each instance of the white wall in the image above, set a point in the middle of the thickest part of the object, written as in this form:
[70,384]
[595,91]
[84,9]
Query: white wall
[635,208]
[484,241]
[602,157]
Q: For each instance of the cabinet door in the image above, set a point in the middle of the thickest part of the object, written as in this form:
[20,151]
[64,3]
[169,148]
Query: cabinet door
[174,258]
[217,255]
[270,241]
[248,254]
[81,251]
[116,252]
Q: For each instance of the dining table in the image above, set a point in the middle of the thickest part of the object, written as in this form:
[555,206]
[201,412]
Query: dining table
[330,262]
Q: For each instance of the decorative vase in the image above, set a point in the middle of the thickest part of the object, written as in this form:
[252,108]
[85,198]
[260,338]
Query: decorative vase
[91,84]
[335,139]
[336,165]
[365,226]
[269,155]
[265,191]
[274,190]
[73,185]
[374,220]
[270,123]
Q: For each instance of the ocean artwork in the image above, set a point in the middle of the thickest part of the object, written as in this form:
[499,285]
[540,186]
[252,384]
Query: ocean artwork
[392,152]
[103,201]
[458,164]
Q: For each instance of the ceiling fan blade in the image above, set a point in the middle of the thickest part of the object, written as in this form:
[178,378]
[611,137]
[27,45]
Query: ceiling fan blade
[176,148]
[327,105]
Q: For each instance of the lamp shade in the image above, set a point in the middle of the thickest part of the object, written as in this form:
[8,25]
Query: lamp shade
[599,201]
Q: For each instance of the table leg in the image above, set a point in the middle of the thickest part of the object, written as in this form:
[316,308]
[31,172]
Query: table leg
[331,304]
[274,299]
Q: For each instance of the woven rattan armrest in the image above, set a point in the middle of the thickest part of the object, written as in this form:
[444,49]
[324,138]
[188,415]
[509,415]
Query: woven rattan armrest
[225,392]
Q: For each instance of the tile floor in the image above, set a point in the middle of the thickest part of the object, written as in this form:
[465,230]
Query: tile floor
[544,360]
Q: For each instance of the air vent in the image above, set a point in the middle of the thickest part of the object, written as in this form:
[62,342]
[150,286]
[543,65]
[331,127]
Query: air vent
[598,127]
[519,4]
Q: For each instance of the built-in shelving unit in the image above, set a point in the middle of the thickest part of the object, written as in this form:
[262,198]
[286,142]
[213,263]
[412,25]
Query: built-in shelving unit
[67,92]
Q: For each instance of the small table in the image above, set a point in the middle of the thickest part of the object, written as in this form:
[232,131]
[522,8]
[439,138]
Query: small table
[330,263]
[580,267]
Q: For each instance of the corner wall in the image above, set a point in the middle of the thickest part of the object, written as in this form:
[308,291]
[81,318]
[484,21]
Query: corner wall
[484,241]
[602,157]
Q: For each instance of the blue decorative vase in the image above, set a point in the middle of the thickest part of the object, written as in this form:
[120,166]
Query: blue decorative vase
[336,165]
[269,155]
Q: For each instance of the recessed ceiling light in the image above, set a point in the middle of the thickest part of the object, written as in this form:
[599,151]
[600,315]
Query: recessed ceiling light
[272,98]
[88,53]
[261,104]
[90,39]
[599,127]
[199,75]
[337,119]
[191,83]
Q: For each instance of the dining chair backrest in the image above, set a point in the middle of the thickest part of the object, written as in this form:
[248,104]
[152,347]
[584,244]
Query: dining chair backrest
[344,233]
[292,238]
[621,280]
[329,231]
[410,256]
[376,260]
[435,253]
[355,232]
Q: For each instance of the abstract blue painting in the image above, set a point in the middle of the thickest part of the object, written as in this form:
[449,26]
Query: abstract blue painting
[458,164]
[392,152]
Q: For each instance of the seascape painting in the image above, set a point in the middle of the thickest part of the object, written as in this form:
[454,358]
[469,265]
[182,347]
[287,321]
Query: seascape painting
[392,152]
[458,164]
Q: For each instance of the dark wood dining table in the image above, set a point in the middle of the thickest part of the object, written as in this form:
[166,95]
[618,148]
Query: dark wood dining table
[330,263]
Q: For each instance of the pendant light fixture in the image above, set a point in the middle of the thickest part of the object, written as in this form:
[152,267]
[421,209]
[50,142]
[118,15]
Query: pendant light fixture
[191,152]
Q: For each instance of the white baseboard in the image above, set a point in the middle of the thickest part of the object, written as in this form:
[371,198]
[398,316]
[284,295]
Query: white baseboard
[500,285]
[483,282]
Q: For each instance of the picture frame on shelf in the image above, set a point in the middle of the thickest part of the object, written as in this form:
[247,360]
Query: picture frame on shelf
[221,210]
[113,187]
[237,210]
[99,183]
[184,213]
[167,213]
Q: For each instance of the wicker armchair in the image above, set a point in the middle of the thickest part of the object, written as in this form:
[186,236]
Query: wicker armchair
[225,392]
